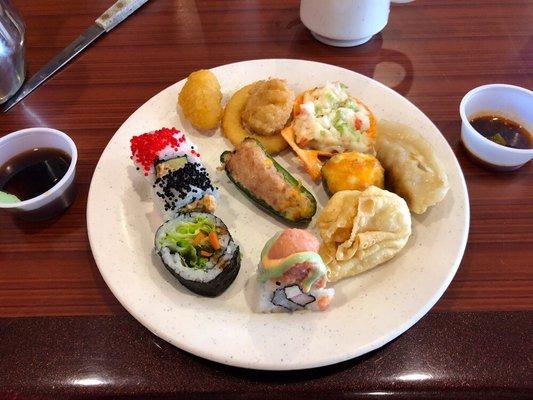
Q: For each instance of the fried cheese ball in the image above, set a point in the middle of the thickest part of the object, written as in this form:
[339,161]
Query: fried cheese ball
[352,171]
[200,100]
[268,108]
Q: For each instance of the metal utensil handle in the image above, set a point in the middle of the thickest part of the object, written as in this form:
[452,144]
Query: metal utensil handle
[118,12]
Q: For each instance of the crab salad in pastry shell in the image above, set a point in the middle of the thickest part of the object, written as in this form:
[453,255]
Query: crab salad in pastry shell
[361,230]
[329,120]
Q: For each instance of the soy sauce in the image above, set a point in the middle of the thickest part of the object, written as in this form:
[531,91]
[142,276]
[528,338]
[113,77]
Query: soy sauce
[502,131]
[33,172]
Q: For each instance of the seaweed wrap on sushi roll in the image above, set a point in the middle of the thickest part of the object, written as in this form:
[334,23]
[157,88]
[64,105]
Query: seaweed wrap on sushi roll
[199,251]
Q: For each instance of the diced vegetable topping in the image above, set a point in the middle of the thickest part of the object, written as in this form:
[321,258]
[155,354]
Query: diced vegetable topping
[330,119]
[194,241]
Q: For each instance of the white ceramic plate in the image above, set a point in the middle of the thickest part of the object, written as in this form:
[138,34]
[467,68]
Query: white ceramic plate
[368,310]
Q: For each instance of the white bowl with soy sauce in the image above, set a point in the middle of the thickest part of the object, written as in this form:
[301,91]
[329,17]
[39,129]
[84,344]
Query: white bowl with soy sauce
[497,121]
[37,173]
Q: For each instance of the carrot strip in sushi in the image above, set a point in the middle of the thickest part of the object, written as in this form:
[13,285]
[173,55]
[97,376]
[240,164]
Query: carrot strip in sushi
[213,238]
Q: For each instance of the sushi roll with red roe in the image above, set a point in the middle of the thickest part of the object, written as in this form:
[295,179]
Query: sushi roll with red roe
[172,163]
[292,274]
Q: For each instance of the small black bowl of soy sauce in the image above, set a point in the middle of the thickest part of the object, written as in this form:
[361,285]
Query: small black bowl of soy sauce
[37,173]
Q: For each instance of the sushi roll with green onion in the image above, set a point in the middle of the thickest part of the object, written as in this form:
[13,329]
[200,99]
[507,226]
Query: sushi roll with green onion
[199,251]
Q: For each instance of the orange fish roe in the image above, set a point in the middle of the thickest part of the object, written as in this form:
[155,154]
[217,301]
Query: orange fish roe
[145,148]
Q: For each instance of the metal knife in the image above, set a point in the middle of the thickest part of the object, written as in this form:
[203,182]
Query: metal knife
[117,13]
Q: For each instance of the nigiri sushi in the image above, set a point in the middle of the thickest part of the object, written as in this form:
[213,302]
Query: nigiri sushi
[292,274]
[172,163]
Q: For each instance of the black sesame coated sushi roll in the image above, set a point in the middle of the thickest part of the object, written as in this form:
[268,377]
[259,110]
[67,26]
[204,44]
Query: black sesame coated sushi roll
[199,251]
[172,164]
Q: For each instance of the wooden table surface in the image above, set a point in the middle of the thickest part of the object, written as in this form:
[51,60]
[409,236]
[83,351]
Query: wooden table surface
[432,52]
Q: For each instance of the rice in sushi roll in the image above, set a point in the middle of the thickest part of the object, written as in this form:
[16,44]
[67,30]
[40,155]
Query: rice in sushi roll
[292,274]
[172,163]
[199,251]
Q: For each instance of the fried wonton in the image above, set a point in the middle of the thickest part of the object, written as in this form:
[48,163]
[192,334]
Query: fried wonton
[411,165]
[361,230]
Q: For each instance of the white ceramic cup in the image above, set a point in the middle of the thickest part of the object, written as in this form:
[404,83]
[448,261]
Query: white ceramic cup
[60,196]
[512,102]
[345,23]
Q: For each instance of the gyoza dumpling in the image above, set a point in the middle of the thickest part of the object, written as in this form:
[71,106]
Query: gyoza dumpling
[361,230]
[411,165]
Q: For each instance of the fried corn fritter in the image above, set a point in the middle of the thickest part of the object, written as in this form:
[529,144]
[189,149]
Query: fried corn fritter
[200,100]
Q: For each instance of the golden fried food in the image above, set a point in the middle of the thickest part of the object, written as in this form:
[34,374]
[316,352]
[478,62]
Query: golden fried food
[361,230]
[200,100]
[268,108]
[352,171]
[235,132]
[413,167]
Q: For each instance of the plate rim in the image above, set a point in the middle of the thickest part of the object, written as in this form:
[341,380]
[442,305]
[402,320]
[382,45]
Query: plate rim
[325,361]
